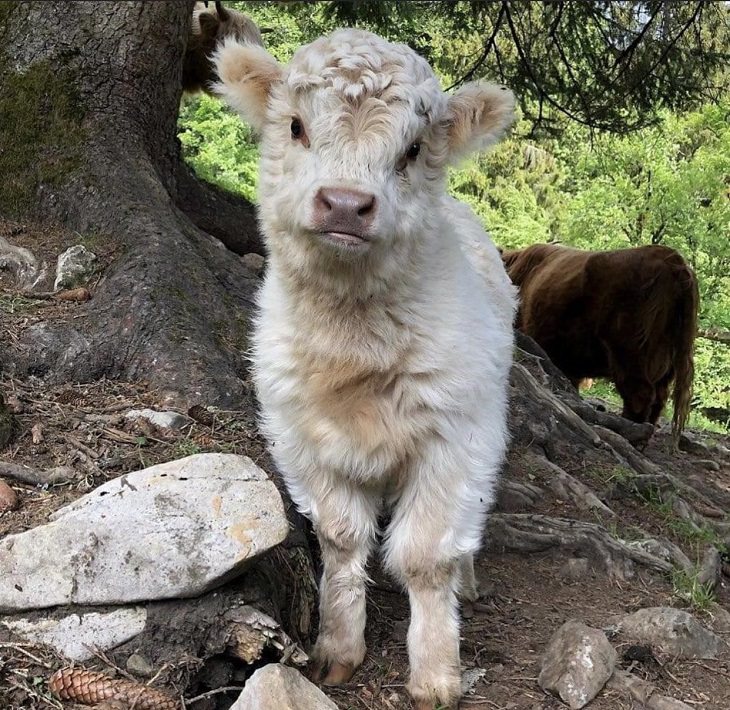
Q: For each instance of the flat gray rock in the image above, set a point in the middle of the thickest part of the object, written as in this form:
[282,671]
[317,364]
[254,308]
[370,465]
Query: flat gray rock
[169,531]
[75,637]
[278,687]
[577,663]
[672,630]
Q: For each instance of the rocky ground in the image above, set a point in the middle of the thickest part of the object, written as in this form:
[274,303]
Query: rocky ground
[592,526]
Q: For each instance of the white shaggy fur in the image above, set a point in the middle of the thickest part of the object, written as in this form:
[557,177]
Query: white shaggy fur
[382,370]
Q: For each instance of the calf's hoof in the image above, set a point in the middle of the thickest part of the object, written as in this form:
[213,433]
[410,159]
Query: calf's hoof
[433,705]
[332,672]
[442,696]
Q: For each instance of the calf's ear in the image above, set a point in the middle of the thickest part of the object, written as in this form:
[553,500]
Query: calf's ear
[246,74]
[478,114]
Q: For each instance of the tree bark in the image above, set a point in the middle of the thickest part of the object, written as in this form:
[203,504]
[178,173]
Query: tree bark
[173,308]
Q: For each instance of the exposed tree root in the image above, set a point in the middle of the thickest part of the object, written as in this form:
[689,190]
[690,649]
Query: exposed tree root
[539,533]
[565,486]
[562,420]
[514,496]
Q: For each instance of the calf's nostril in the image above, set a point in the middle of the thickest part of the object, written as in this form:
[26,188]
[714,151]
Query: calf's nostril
[367,208]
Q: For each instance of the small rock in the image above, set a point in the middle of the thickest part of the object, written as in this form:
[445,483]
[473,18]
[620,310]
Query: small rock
[8,497]
[255,262]
[577,663]
[22,265]
[710,569]
[645,694]
[75,267]
[139,665]
[693,446]
[173,530]
[720,618]
[278,687]
[73,636]
[722,450]
[469,678]
[672,630]
[163,420]
[709,464]
[575,569]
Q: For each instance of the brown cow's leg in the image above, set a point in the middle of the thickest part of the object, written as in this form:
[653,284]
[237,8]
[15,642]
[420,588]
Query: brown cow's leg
[662,394]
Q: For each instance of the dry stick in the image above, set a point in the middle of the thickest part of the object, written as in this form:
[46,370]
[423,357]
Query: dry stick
[68,438]
[34,476]
[217,691]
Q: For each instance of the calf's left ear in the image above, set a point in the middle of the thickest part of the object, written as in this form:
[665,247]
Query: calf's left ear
[477,116]
[247,73]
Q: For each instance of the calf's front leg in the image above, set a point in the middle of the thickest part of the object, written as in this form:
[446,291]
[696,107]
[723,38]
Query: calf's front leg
[345,522]
[415,553]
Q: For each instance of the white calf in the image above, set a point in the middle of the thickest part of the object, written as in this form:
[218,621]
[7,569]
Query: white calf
[384,339]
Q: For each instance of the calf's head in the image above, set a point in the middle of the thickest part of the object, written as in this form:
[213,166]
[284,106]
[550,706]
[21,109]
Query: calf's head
[356,136]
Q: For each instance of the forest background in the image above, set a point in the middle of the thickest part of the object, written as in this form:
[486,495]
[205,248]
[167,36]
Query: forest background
[617,180]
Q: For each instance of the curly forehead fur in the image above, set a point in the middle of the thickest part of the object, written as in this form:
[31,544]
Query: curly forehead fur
[358,65]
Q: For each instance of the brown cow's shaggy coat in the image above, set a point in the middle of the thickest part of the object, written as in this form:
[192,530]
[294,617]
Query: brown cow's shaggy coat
[629,315]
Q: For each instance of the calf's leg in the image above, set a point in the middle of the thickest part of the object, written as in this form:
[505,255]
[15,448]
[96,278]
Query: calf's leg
[345,523]
[421,551]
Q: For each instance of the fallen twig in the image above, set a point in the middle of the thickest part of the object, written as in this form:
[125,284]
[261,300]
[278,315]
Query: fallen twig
[34,476]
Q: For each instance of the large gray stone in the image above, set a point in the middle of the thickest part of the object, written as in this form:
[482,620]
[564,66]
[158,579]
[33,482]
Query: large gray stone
[278,687]
[672,630]
[75,267]
[172,530]
[577,663]
[76,637]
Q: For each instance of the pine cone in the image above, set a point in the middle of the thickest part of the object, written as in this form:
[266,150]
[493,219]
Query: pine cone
[90,688]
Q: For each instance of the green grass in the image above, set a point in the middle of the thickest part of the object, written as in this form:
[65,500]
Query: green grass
[186,447]
[686,530]
[613,474]
[11,303]
[686,586]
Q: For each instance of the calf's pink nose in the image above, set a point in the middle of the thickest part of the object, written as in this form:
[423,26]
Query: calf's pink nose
[338,209]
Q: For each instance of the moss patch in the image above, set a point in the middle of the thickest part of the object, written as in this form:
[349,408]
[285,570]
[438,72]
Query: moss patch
[40,133]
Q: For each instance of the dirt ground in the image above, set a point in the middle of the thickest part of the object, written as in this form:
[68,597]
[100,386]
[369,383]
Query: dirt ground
[525,598]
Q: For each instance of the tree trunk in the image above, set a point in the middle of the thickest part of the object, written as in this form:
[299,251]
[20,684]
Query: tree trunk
[91,95]
[89,98]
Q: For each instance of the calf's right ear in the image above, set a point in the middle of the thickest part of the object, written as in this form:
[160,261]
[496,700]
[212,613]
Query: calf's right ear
[247,73]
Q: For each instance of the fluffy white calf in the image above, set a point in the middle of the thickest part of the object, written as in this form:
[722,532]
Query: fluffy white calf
[383,343]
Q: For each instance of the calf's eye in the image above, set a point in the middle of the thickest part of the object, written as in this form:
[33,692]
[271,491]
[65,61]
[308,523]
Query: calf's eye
[298,133]
[413,151]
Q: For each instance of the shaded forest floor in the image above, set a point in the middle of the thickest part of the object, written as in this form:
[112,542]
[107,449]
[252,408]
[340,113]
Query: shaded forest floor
[525,597]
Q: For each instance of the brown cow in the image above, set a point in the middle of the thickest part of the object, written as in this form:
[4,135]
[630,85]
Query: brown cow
[210,27]
[629,315]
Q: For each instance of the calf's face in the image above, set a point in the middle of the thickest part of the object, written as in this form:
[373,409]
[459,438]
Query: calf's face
[356,136]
